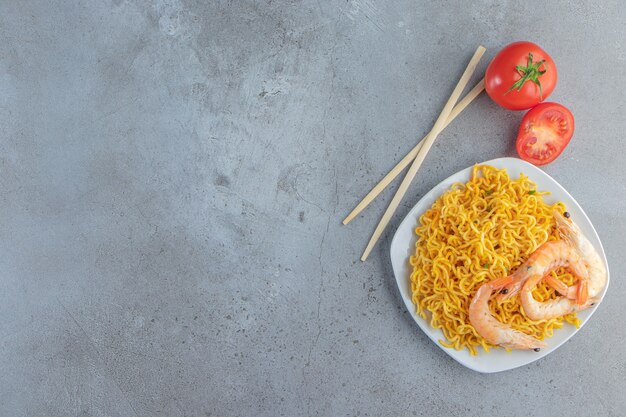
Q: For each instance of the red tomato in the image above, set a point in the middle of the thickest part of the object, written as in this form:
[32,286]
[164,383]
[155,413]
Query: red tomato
[545,131]
[520,76]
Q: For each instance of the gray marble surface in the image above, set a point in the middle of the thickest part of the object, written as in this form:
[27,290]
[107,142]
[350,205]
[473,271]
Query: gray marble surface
[174,174]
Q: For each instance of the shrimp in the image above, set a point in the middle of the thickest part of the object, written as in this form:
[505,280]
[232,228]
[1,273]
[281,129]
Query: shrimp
[560,306]
[597,275]
[546,258]
[571,233]
[491,329]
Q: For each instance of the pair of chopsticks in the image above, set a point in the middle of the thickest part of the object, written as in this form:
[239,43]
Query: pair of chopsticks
[450,111]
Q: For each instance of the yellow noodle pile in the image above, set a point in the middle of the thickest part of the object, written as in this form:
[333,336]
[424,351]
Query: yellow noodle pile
[477,232]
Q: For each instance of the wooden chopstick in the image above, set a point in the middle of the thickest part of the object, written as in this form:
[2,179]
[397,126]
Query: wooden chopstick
[421,154]
[395,171]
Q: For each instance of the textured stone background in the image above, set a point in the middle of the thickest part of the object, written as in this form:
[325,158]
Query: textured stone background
[174,174]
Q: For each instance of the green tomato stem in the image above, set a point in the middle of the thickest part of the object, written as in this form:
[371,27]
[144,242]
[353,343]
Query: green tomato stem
[530,72]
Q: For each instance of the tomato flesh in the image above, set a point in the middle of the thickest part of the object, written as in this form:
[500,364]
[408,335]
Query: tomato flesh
[544,132]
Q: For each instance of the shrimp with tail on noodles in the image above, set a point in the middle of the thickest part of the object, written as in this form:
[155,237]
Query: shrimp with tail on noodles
[491,329]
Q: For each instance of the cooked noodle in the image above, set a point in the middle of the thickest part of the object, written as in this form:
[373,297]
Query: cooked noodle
[476,232]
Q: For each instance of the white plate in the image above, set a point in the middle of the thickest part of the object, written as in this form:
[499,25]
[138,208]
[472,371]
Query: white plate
[403,244]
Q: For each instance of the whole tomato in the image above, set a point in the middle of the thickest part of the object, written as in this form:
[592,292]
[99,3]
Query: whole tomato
[520,76]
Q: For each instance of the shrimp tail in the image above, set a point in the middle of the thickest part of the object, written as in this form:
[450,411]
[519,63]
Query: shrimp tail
[559,286]
[574,290]
[583,292]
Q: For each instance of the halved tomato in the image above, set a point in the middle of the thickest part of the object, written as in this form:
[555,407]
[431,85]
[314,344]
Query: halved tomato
[545,131]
